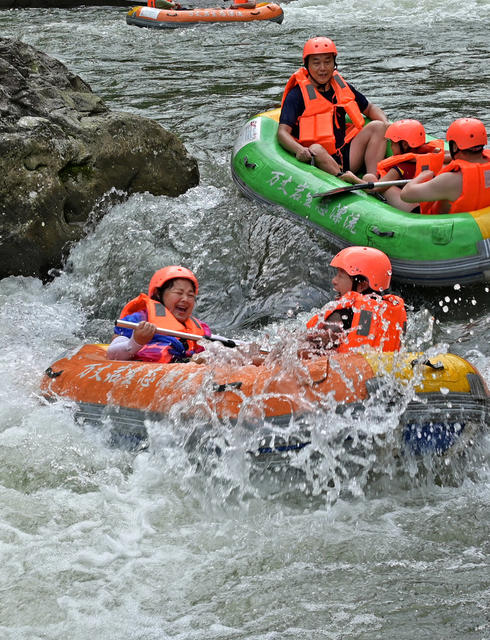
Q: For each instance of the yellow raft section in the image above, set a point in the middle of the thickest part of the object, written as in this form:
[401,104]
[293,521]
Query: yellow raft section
[446,372]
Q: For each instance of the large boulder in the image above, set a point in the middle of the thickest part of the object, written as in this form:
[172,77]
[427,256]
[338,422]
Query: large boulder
[61,150]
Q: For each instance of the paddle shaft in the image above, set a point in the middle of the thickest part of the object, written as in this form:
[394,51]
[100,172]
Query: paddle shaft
[362,185]
[180,334]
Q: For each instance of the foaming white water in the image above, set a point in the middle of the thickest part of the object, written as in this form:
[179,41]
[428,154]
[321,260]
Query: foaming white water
[407,12]
[144,558]
[174,543]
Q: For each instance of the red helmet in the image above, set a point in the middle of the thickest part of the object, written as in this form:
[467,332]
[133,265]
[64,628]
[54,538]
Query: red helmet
[319,45]
[162,276]
[411,131]
[371,263]
[467,133]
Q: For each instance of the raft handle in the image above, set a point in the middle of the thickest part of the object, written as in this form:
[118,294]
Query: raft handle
[382,234]
[53,374]
[227,386]
[249,165]
[438,366]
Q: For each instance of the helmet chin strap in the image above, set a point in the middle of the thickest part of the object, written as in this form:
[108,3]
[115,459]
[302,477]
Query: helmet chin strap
[453,149]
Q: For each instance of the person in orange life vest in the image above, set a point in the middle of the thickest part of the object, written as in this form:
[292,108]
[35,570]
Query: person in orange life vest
[363,312]
[463,184]
[312,124]
[169,304]
[411,155]
[243,4]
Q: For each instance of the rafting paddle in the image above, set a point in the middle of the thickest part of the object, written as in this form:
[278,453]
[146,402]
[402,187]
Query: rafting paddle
[362,185]
[181,334]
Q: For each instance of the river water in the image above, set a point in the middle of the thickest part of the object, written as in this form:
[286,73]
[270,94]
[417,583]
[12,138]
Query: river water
[99,542]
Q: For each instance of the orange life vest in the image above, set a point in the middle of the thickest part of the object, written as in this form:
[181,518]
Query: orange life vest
[378,321]
[475,193]
[316,121]
[159,314]
[161,4]
[427,156]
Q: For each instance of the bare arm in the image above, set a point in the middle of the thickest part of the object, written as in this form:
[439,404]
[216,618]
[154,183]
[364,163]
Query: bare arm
[375,113]
[289,143]
[123,348]
[390,175]
[325,335]
[422,188]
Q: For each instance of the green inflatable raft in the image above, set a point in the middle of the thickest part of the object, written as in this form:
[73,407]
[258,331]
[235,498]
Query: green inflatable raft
[427,250]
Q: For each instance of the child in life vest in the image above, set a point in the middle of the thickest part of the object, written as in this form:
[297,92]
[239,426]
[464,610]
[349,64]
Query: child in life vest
[362,314]
[411,155]
[464,183]
[169,304]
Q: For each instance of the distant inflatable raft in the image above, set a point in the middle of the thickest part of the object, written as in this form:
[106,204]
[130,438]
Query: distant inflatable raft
[165,18]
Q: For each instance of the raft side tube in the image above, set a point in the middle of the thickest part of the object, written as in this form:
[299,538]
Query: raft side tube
[428,250]
[450,393]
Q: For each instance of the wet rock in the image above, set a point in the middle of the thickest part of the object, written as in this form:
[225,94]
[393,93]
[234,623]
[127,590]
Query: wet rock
[62,151]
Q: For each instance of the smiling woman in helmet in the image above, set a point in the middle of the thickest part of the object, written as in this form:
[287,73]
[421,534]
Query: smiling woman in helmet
[463,184]
[169,304]
[312,124]
[363,314]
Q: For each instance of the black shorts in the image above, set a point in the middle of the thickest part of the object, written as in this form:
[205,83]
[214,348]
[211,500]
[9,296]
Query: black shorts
[342,157]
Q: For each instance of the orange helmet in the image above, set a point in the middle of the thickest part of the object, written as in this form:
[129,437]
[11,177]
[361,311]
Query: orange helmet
[371,263]
[411,131]
[318,45]
[467,133]
[162,276]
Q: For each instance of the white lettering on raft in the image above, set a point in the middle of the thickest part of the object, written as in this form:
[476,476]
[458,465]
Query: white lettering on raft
[338,215]
[124,374]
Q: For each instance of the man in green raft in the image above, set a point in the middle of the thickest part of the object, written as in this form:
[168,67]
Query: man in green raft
[313,126]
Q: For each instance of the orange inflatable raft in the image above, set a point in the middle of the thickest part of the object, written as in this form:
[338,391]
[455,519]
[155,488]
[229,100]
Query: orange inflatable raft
[169,18]
[450,397]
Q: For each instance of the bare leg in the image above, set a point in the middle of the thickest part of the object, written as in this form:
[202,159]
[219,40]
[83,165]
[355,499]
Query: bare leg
[323,160]
[368,147]
[370,177]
